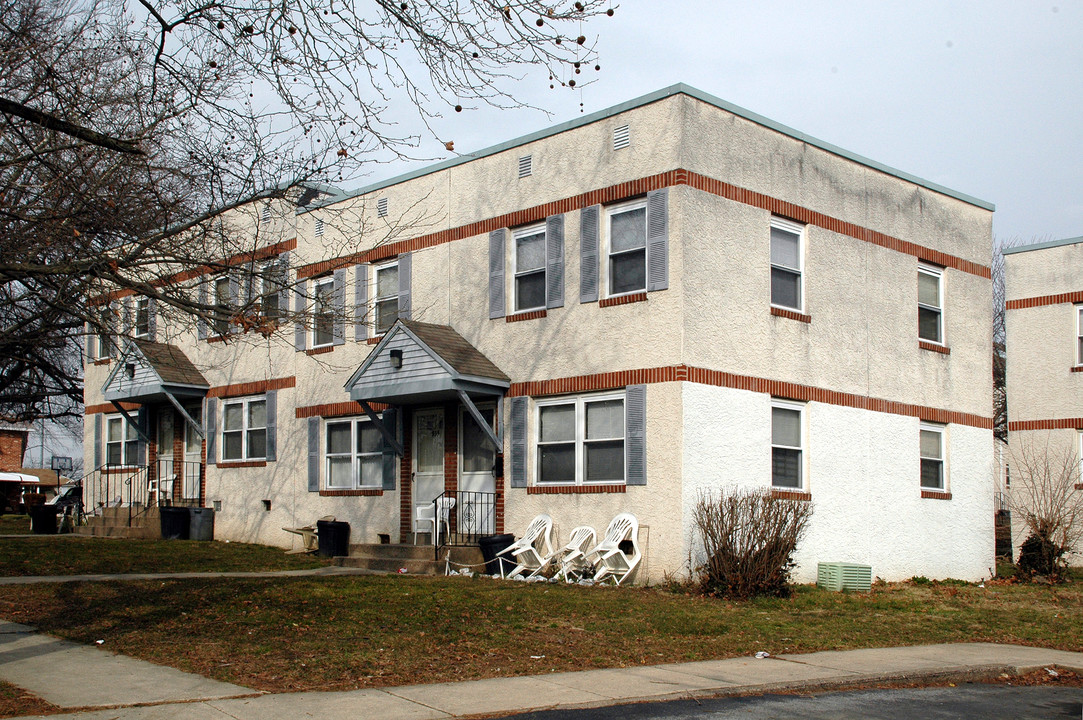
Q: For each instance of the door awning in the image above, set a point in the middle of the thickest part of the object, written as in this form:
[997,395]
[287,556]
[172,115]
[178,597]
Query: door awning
[149,372]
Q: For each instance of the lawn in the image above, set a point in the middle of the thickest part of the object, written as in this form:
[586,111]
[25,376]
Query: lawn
[341,633]
[67,555]
[14,524]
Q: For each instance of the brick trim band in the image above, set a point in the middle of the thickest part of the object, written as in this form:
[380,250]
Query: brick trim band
[532,315]
[374,340]
[935,495]
[1077,368]
[623,299]
[335,410]
[243,464]
[777,388]
[633,188]
[791,495]
[352,493]
[1056,424]
[103,361]
[791,314]
[251,388]
[1041,300]
[573,489]
[320,350]
[108,408]
[926,345]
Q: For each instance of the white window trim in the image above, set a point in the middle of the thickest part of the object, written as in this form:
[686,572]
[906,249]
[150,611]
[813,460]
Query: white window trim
[376,297]
[938,273]
[125,428]
[604,254]
[322,282]
[580,402]
[802,469]
[142,304]
[355,455]
[228,305]
[942,431]
[271,282]
[1079,335]
[531,230]
[245,429]
[798,230]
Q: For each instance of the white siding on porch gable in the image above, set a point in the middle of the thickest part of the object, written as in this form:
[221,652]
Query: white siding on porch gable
[144,379]
[417,364]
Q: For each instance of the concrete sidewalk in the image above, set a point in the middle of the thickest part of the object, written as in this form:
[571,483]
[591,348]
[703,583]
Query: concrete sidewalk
[324,571]
[73,676]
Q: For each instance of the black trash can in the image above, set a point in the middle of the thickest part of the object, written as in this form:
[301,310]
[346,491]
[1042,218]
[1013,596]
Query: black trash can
[174,523]
[334,538]
[43,519]
[490,546]
[201,525]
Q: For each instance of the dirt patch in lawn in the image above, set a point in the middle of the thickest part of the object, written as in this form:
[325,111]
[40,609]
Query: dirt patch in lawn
[16,702]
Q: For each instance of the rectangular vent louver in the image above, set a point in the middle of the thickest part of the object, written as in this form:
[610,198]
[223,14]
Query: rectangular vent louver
[265,216]
[621,138]
[319,227]
[837,577]
[525,165]
[381,207]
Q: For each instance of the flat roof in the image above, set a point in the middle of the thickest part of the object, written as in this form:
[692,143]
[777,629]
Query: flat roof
[678,89]
[1042,245]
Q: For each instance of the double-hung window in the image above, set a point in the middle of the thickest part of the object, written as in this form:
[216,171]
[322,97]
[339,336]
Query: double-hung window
[272,282]
[1079,335]
[121,441]
[323,316]
[353,455]
[386,301]
[244,429]
[530,268]
[626,267]
[787,264]
[580,440]
[787,445]
[930,304]
[932,456]
[222,306]
[105,334]
[142,317]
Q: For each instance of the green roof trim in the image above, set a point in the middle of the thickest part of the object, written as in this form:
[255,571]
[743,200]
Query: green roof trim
[678,89]
[1043,245]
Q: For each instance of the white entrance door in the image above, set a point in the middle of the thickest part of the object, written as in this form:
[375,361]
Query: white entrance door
[193,454]
[166,471]
[476,458]
[428,458]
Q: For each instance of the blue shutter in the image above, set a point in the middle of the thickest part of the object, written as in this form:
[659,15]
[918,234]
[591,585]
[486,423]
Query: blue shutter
[283,276]
[554,261]
[635,434]
[496,273]
[313,454]
[299,330]
[126,320]
[112,336]
[404,286]
[210,430]
[152,319]
[89,346]
[234,301]
[272,424]
[339,300]
[361,303]
[657,240]
[97,440]
[144,432]
[391,460]
[589,218]
[518,442]
[201,321]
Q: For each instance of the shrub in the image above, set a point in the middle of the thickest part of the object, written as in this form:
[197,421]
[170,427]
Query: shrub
[749,537]
[1044,497]
[1040,557]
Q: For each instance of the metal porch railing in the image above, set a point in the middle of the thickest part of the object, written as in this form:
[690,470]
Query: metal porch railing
[138,488]
[464,518]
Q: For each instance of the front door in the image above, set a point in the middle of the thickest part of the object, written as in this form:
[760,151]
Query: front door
[477,485]
[166,472]
[428,456]
[193,455]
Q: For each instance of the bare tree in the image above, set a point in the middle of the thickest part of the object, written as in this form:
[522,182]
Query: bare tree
[131,130]
[1044,496]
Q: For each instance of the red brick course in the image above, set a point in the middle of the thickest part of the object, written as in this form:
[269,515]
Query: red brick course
[935,495]
[926,345]
[251,388]
[532,315]
[1054,424]
[573,489]
[791,314]
[1042,300]
[623,299]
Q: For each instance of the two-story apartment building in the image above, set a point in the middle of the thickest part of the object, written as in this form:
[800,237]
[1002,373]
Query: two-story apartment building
[1044,324]
[656,301]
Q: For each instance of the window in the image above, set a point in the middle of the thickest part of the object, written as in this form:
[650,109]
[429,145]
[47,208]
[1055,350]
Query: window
[244,429]
[1079,334]
[354,455]
[787,436]
[121,441]
[627,265]
[222,309]
[142,317]
[932,457]
[930,305]
[786,264]
[387,296]
[109,323]
[581,440]
[272,282]
[323,319]
[530,268]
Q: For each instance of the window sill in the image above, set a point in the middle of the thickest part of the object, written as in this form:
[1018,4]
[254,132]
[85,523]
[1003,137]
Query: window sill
[103,361]
[791,495]
[934,347]
[320,350]
[623,299]
[574,489]
[1079,486]
[529,315]
[242,464]
[936,495]
[364,492]
[374,340]
[1077,368]
[791,314]
[218,338]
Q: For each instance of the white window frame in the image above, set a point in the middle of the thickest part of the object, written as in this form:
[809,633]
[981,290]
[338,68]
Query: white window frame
[272,280]
[515,274]
[1079,335]
[802,475]
[937,273]
[354,453]
[320,312]
[580,402]
[142,308]
[129,442]
[377,298]
[605,272]
[245,430]
[798,230]
[942,432]
[220,325]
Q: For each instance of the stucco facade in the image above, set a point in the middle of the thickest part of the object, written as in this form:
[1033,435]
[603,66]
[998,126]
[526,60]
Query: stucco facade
[650,336]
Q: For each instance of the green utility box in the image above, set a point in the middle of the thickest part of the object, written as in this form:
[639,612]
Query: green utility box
[844,576]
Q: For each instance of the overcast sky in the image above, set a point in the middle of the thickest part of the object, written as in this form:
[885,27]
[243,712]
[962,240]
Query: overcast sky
[982,97]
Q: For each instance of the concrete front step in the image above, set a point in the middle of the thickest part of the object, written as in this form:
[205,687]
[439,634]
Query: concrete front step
[415,559]
[146,524]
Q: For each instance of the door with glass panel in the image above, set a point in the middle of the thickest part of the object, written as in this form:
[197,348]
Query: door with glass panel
[193,454]
[165,473]
[428,457]
[477,484]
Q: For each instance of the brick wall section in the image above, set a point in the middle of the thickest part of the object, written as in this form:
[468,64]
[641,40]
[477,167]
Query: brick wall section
[109,408]
[623,299]
[251,388]
[12,449]
[573,489]
[1042,300]
[633,188]
[334,410]
[1055,424]
[791,314]
[532,315]
[925,345]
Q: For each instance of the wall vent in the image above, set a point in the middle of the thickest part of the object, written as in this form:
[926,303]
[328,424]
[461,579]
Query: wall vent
[319,227]
[621,138]
[525,165]
[381,207]
[265,216]
[837,577]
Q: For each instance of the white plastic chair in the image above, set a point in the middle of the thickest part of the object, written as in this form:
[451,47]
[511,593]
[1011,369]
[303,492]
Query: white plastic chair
[443,508]
[607,557]
[572,557]
[524,551]
[426,518]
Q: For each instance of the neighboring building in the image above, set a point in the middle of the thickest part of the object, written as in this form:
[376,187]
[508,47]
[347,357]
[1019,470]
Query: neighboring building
[1044,321]
[13,437]
[655,301]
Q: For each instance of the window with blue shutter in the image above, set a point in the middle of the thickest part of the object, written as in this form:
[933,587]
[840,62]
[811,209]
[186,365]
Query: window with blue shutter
[313,454]
[588,253]
[210,431]
[658,240]
[340,307]
[361,302]
[554,280]
[271,449]
[635,428]
[518,442]
[300,333]
[496,273]
[405,265]
[390,459]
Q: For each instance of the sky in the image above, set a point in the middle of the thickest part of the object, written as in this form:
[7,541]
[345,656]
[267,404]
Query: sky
[981,97]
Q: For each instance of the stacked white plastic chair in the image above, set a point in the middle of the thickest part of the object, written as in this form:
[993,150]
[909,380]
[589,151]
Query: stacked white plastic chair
[609,560]
[525,550]
[572,557]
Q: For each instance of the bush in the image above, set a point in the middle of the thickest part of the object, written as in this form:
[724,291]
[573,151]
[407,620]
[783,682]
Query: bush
[749,537]
[1044,496]
[1040,557]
